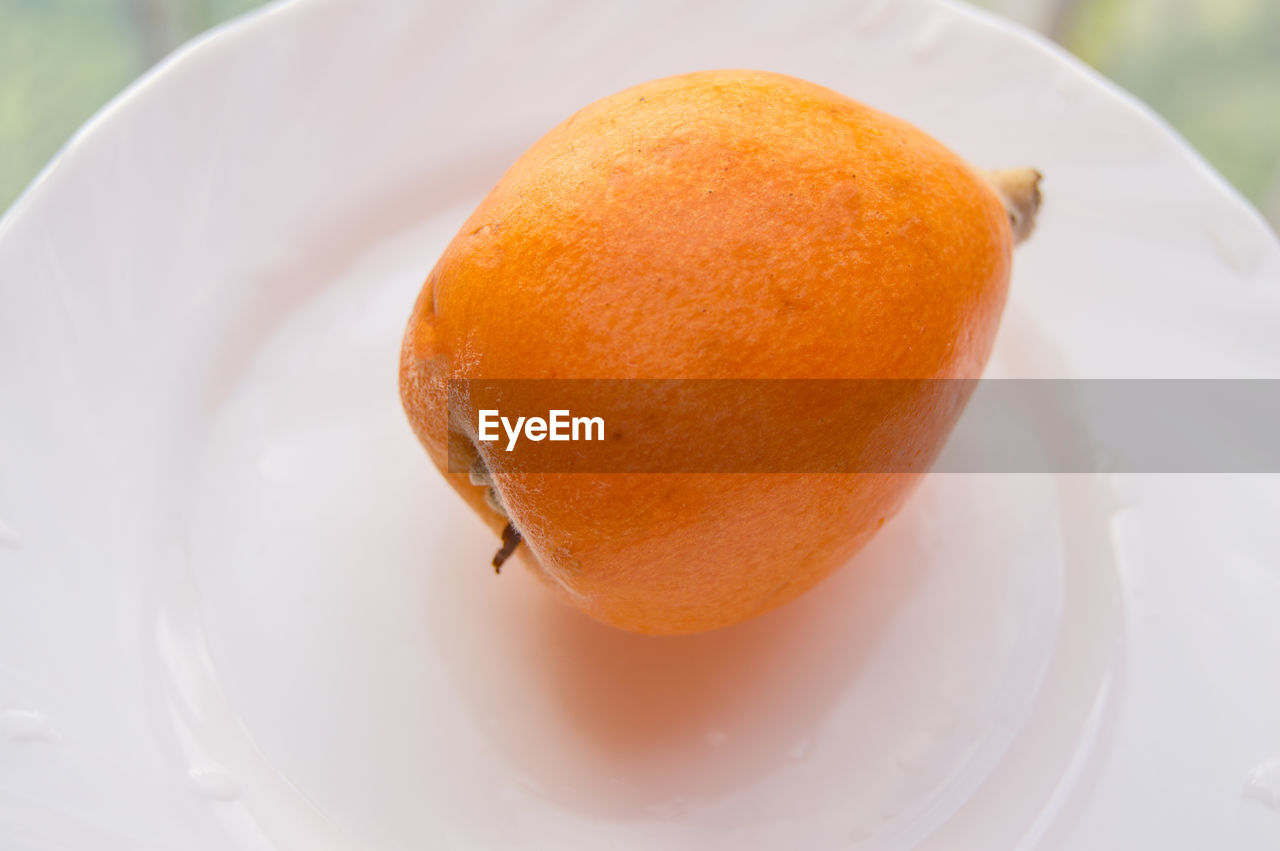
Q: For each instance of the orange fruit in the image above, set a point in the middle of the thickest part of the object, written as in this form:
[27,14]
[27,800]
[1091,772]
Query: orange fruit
[726,225]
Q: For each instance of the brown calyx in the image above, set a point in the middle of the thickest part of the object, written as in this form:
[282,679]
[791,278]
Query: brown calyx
[1019,189]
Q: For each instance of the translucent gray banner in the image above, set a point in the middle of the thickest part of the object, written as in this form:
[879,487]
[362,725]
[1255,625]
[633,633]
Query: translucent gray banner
[866,425]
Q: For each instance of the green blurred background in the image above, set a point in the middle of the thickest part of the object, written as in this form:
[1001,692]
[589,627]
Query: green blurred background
[1211,67]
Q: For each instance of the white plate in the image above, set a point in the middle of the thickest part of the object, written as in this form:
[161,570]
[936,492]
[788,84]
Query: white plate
[238,607]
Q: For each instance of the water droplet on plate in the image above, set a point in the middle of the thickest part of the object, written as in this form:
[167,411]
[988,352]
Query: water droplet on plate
[214,781]
[25,725]
[1263,784]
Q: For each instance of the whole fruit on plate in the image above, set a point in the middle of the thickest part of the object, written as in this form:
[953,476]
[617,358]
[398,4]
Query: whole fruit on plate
[723,225]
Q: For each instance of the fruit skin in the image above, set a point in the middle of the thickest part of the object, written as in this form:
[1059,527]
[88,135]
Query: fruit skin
[725,224]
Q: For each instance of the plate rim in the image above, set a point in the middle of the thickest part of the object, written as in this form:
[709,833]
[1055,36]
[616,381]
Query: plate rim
[231,33]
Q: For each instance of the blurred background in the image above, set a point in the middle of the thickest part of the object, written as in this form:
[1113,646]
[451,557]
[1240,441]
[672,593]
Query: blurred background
[1210,67]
